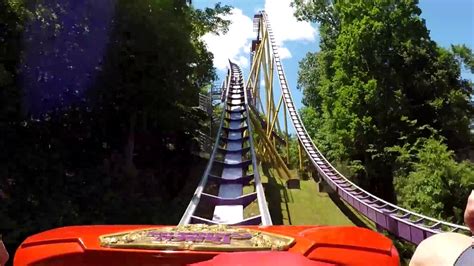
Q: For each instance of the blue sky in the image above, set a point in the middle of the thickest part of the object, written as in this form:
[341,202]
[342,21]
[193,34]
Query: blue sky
[449,22]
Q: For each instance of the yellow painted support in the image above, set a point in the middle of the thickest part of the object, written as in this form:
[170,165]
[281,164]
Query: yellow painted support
[262,69]
[255,69]
[268,87]
[266,61]
[263,57]
[261,50]
[271,108]
[283,170]
[275,116]
[271,64]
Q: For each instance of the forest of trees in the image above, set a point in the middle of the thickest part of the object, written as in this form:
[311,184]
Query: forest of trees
[97,117]
[388,103]
[97,110]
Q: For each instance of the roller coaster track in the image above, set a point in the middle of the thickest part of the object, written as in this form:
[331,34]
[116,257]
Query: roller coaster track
[229,203]
[234,143]
[403,223]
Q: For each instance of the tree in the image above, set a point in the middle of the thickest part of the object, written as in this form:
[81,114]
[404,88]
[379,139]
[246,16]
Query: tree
[162,66]
[12,16]
[377,82]
[430,181]
[111,108]
[464,55]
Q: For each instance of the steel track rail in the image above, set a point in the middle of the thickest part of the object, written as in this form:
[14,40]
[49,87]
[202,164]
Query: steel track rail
[229,203]
[401,222]
[262,202]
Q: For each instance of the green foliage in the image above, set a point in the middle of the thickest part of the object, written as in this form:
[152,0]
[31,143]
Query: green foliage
[166,64]
[210,20]
[12,14]
[379,81]
[464,55]
[294,156]
[430,181]
[122,156]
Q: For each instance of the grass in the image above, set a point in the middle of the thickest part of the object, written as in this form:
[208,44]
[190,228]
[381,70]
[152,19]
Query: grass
[309,205]
[305,206]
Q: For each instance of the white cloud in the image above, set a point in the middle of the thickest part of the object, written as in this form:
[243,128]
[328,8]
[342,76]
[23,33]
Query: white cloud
[241,60]
[285,25]
[284,53]
[235,44]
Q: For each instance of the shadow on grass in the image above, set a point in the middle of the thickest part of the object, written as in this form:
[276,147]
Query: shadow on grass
[275,193]
[343,207]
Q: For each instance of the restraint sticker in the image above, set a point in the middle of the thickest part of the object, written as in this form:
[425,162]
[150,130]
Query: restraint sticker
[198,237]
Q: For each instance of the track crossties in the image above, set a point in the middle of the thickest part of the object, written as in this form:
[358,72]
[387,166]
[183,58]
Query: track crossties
[403,223]
[219,198]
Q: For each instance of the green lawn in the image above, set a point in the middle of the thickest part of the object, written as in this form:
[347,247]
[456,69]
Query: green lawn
[307,205]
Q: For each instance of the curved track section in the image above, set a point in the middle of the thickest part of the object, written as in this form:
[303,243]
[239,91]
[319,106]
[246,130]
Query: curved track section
[403,223]
[232,166]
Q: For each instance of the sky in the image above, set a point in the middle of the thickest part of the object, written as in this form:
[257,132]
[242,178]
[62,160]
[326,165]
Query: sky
[449,22]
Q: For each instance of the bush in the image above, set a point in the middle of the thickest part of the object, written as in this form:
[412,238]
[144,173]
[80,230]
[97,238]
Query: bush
[428,179]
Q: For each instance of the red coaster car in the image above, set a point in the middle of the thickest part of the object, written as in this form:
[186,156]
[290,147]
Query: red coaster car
[202,245]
